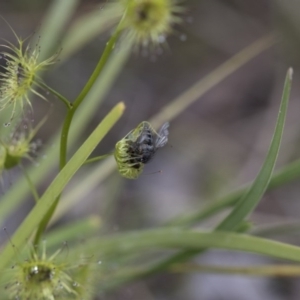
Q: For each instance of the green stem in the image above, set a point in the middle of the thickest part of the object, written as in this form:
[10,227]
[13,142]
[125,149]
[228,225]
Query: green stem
[97,158]
[66,127]
[43,224]
[67,123]
[64,100]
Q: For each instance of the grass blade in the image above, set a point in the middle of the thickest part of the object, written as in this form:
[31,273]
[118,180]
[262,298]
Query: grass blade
[171,238]
[249,201]
[56,187]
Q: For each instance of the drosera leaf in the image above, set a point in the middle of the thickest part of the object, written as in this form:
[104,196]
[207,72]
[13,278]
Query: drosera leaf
[19,190]
[56,187]
[254,194]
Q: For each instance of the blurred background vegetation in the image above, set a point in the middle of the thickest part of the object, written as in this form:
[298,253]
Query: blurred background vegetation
[215,145]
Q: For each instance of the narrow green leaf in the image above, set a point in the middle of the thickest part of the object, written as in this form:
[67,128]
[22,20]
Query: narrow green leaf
[249,201]
[189,239]
[137,242]
[286,174]
[81,187]
[56,187]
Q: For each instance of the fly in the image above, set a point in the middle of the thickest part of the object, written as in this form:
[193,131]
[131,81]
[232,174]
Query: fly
[138,148]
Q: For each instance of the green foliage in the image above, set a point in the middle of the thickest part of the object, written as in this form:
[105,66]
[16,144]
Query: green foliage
[77,275]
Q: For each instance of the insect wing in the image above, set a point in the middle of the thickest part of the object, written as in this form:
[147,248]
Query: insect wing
[163,133]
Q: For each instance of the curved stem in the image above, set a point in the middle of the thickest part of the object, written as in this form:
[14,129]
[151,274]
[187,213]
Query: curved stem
[66,127]
[68,120]
[68,104]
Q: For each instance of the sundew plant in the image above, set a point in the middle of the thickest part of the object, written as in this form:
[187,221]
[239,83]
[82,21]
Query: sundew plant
[50,256]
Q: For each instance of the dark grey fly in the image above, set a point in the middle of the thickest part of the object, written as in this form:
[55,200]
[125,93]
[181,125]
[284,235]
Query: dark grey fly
[147,143]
